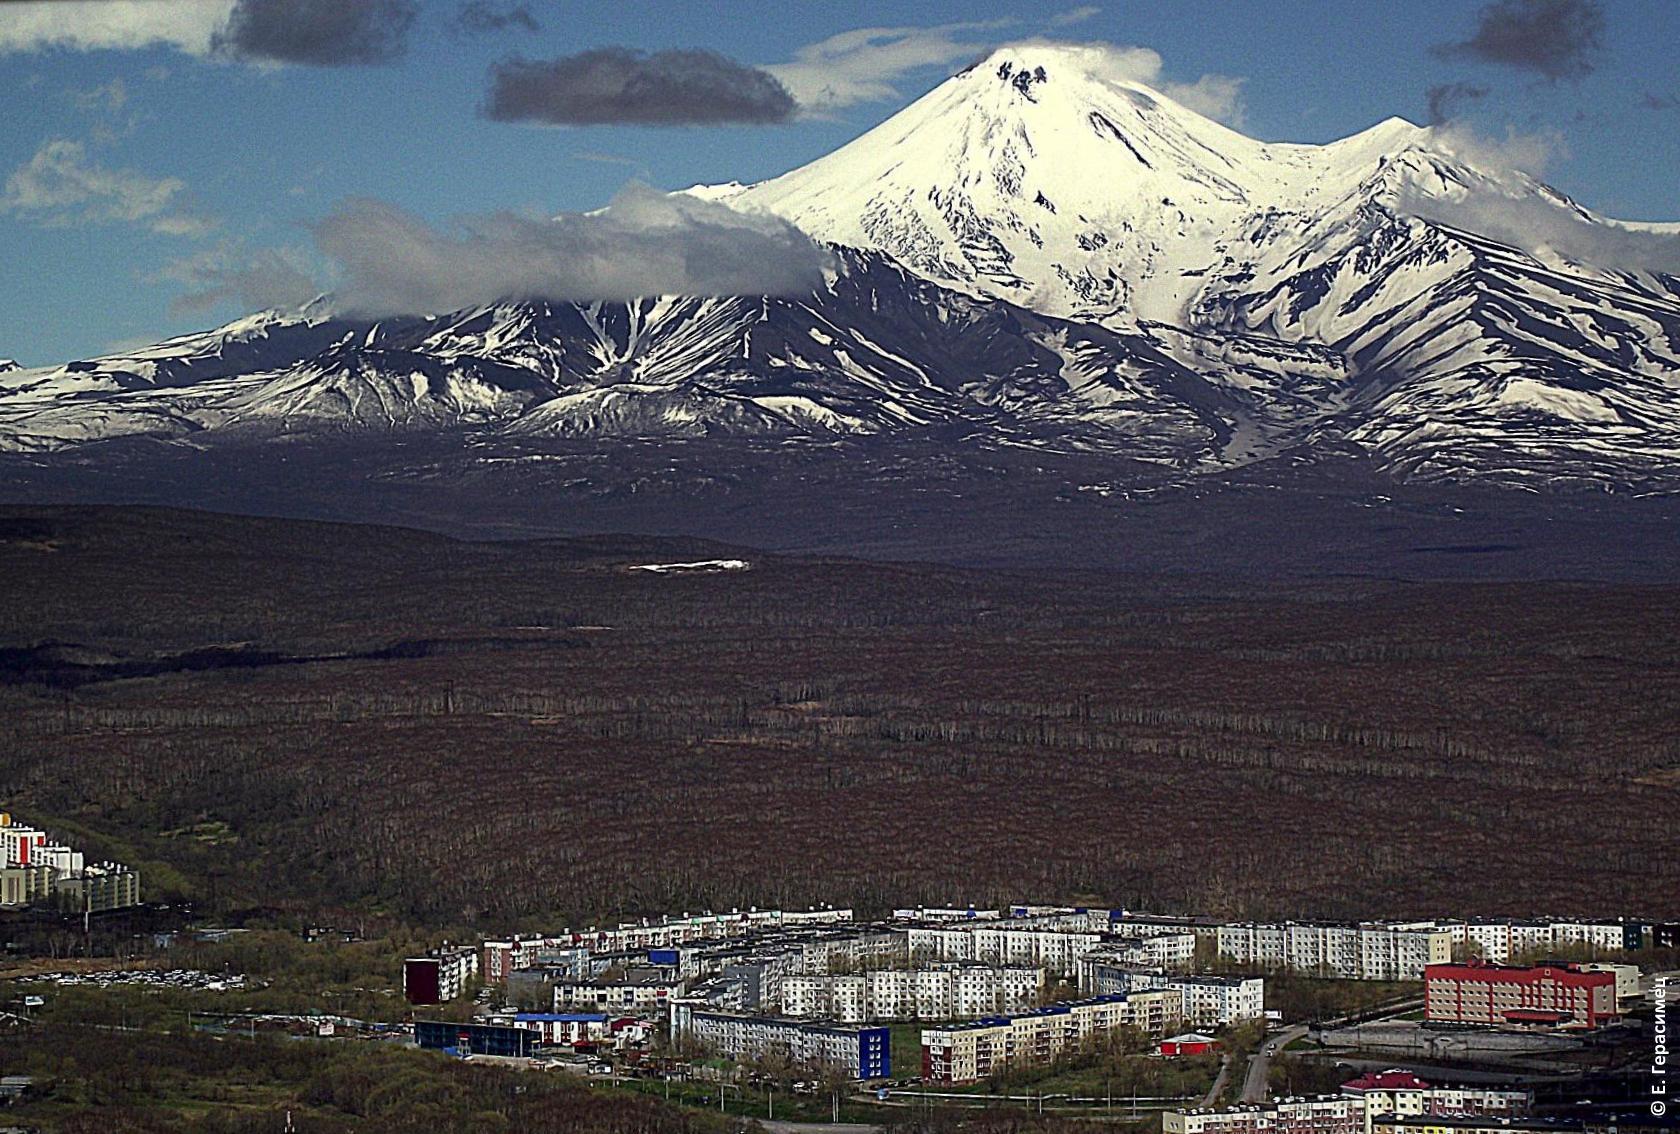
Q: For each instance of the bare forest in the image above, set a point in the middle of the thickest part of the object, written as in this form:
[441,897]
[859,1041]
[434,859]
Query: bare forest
[278,715]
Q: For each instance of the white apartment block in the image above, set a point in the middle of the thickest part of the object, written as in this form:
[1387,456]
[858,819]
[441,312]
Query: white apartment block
[1329,1114]
[1175,951]
[1057,949]
[63,861]
[439,976]
[1051,949]
[1209,1001]
[828,952]
[1369,951]
[1400,952]
[865,1053]
[940,943]
[1149,925]
[18,843]
[24,885]
[1504,941]
[666,932]
[962,1053]
[635,992]
[950,991]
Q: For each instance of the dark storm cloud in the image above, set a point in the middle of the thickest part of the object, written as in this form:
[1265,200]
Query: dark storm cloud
[480,17]
[1559,39]
[645,243]
[618,85]
[1445,99]
[321,33]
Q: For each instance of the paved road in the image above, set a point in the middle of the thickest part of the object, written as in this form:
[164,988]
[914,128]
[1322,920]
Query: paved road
[1259,1068]
[818,1127]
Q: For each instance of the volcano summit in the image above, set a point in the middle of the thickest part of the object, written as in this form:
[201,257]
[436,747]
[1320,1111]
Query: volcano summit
[1038,255]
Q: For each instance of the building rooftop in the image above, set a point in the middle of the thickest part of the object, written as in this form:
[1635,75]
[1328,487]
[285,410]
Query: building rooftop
[1391,1080]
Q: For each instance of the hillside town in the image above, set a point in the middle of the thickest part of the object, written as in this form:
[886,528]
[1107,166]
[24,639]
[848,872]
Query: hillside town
[998,992]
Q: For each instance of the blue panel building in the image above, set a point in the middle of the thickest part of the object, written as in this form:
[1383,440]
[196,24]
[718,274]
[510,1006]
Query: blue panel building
[474,1039]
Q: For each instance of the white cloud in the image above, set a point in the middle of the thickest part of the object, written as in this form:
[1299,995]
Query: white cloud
[280,278]
[1546,229]
[644,243]
[864,64]
[62,186]
[1075,16]
[1218,97]
[108,98]
[89,25]
[1530,153]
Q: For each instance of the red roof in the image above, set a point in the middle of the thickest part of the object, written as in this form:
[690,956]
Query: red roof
[1386,1081]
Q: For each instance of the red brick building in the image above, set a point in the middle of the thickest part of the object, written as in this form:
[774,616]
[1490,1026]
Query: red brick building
[1556,995]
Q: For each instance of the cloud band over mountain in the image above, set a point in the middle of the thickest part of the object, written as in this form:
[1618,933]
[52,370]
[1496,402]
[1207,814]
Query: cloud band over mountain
[645,243]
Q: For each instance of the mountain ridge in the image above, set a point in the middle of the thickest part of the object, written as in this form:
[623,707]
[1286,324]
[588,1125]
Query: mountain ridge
[1038,253]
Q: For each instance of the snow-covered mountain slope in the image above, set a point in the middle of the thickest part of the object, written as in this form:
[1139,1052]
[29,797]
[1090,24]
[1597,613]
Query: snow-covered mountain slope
[876,349]
[1032,177]
[1035,253]
[1344,290]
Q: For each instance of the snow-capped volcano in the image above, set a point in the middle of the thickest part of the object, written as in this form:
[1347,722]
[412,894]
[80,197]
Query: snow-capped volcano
[1041,252]
[1035,177]
[1382,288]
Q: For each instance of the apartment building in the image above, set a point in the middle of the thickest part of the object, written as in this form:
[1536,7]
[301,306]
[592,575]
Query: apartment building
[862,1052]
[1127,924]
[1560,995]
[828,952]
[1367,951]
[34,870]
[18,842]
[556,1028]
[644,988]
[961,1053]
[98,888]
[1327,1114]
[1056,948]
[24,885]
[1209,1001]
[1475,1124]
[1401,1093]
[440,976]
[945,913]
[1174,951]
[1504,941]
[510,954]
[1053,949]
[946,991]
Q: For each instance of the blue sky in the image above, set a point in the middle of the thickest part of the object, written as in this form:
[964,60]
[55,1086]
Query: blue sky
[143,165]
